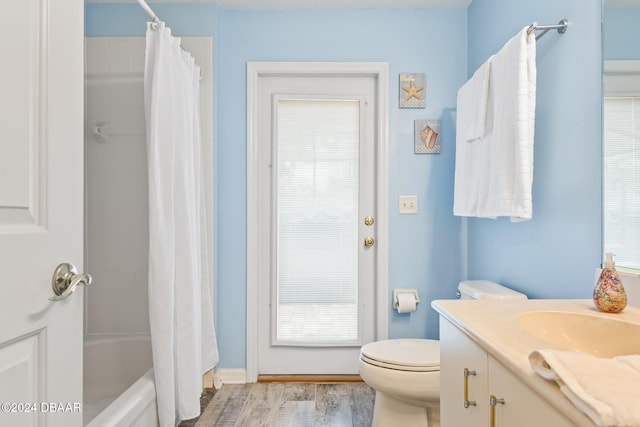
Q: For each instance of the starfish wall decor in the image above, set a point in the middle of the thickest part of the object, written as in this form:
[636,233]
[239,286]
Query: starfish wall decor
[412,90]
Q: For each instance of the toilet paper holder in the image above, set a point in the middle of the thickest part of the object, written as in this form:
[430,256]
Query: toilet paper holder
[396,292]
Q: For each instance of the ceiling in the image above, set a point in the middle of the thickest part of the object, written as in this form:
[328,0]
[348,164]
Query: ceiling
[315,4]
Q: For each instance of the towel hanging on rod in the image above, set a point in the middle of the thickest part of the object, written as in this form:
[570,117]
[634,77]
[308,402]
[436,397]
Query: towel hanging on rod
[560,26]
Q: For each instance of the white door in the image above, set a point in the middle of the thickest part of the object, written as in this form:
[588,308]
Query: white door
[41,210]
[318,199]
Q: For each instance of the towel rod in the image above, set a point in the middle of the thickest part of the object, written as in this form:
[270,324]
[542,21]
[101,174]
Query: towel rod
[560,26]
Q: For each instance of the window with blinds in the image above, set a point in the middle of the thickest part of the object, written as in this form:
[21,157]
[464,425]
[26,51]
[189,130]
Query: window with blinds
[622,179]
[317,188]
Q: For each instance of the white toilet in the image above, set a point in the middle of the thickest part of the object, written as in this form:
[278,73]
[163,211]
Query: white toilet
[405,373]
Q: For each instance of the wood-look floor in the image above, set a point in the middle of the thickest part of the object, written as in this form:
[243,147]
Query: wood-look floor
[290,404]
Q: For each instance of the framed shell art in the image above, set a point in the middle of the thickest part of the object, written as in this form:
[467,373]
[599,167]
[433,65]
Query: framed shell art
[427,137]
[413,90]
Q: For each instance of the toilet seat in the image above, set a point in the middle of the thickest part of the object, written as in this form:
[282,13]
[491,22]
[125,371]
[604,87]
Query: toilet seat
[413,355]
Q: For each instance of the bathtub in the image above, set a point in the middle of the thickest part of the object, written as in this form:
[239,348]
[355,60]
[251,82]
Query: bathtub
[119,389]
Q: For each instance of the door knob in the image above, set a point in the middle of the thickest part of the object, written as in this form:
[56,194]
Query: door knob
[368,221]
[66,280]
[368,241]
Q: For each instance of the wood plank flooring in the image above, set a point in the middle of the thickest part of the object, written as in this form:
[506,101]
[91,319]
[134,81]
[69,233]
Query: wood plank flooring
[278,404]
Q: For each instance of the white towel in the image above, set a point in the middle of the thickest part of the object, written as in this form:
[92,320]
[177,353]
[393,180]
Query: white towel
[471,127]
[471,121]
[496,171]
[606,390]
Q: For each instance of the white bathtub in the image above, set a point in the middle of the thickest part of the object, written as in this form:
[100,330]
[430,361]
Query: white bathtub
[119,389]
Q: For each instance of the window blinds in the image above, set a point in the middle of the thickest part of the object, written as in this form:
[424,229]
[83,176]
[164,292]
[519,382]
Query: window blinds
[622,179]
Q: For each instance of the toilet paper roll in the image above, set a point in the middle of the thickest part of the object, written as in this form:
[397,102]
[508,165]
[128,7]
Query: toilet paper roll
[407,303]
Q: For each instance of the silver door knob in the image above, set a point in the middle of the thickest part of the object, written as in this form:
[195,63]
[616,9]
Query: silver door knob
[66,280]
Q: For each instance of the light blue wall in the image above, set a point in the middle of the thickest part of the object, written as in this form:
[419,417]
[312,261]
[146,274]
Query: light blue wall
[426,250]
[621,31]
[553,255]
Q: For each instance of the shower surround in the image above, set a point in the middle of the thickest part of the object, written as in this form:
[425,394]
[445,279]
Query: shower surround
[116,226]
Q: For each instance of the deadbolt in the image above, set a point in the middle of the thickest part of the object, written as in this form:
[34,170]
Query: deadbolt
[368,220]
[368,241]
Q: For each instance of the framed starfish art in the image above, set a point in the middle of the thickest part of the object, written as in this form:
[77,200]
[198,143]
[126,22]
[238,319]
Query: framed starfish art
[413,90]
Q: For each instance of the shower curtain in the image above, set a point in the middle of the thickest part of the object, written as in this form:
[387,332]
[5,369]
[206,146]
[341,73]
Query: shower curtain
[180,304]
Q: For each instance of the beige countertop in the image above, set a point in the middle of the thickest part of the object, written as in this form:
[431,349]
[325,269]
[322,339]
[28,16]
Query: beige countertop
[493,326]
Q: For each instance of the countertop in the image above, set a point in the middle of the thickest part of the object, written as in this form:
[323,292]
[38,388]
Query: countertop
[492,325]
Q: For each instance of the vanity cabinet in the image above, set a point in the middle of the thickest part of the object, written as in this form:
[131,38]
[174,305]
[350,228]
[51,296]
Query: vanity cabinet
[470,377]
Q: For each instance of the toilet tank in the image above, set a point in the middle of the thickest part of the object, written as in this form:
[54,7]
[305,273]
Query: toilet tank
[485,289]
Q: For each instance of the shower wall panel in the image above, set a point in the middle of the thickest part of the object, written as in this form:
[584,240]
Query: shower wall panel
[116,186]
[116,226]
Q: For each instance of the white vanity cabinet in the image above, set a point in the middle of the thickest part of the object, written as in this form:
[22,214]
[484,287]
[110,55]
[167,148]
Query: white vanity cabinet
[457,354]
[514,403]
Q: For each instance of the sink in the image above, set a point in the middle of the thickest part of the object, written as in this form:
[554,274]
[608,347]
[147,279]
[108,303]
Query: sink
[596,335]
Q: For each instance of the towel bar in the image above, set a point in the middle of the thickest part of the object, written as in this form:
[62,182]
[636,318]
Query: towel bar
[560,26]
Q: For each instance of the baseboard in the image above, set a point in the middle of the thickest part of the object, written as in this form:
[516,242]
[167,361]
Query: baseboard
[229,376]
[224,376]
[310,378]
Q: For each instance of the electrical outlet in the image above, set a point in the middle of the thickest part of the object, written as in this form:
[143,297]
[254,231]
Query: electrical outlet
[408,204]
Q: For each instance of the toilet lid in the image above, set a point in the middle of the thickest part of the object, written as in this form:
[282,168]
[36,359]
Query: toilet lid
[419,355]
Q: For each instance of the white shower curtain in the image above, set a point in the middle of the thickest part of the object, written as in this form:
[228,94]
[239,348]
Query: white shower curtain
[180,304]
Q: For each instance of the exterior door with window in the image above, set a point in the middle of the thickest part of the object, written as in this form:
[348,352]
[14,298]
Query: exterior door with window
[317,190]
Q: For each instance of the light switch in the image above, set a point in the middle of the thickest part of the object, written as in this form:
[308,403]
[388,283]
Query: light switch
[408,204]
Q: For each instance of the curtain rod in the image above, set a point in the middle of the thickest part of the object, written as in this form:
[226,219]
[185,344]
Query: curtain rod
[143,4]
[560,26]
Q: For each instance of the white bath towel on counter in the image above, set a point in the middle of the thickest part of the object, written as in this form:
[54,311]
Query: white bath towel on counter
[496,175]
[606,390]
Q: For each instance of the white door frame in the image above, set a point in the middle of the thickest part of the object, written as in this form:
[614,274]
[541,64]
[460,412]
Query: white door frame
[255,70]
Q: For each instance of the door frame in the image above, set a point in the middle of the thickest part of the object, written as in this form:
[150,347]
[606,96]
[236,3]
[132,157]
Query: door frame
[255,70]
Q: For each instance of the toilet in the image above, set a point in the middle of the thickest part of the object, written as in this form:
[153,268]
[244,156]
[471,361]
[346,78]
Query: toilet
[405,373]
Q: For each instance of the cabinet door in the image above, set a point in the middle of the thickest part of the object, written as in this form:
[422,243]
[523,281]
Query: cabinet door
[522,407]
[457,352]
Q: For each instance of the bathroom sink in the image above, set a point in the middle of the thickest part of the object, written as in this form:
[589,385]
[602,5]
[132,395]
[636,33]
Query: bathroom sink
[596,335]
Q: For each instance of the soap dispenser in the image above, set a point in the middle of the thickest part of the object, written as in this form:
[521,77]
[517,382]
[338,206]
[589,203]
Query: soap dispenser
[609,295]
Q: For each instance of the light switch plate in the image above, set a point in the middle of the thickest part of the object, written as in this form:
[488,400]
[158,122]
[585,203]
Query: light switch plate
[408,205]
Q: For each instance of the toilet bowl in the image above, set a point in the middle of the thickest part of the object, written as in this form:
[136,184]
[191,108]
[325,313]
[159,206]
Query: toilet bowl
[405,373]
